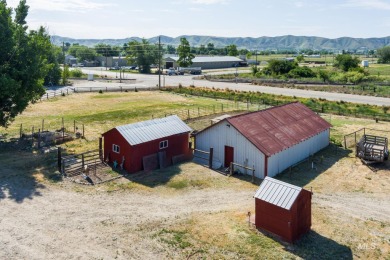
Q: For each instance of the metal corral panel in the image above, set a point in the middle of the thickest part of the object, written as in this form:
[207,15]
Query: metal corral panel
[276,129]
[223,134]
[278,193]
[284,159]
[146,131]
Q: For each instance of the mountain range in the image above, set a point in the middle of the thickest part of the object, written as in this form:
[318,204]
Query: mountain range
[287,42]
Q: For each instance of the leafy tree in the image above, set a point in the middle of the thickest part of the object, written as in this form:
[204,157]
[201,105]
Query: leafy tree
[300,58]
[346,62]
[324,75]
[302,72]
[249,55]
[24,62]
[384,55]
[143,54]
[210,47]
[232,50]
[82,52]
[171,49]
[254,70]
[280,67]
[106,50]
[185,55]
[202,49]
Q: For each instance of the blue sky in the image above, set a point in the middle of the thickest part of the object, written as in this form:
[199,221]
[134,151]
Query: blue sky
[230,18]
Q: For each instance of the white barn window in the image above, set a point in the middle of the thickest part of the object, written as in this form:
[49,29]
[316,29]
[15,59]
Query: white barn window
[163,144]
[115,148]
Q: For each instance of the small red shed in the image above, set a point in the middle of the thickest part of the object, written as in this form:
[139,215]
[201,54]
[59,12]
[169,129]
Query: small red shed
[283,209]
[147,145]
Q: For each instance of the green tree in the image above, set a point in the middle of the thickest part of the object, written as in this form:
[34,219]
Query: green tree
[24,62]
[232,50]
[82,53]
[171,49]
[280,67]
[300,58]
[324,75]
[106,50]
[143,54]
[384,55]
[185,55]
[346,62]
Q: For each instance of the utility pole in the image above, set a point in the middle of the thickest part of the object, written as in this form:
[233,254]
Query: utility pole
[159,62]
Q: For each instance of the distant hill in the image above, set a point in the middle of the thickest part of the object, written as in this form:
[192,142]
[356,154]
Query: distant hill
[260,43]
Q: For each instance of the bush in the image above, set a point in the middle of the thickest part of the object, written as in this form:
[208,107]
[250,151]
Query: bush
[76,73]
[302,72]
[100,91]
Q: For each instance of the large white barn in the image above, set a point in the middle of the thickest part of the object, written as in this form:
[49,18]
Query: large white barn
[271,140]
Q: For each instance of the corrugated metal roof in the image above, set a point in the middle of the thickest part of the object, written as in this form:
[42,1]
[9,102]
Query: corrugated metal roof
[278,193]
[276,129]
[154,129]
[209,58]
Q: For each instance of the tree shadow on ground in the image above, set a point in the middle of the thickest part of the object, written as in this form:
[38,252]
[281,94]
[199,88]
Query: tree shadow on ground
[308,170]
[155,178]
[22,170]
[315,246]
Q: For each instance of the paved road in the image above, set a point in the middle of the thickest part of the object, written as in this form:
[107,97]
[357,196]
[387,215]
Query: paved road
[142,80]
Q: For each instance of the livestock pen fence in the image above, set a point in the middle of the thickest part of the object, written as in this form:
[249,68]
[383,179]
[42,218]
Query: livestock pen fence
[51,132]
[87,162]
[350,140]
[200,111]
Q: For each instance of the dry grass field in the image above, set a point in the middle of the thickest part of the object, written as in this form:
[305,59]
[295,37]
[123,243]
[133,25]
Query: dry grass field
[185,211]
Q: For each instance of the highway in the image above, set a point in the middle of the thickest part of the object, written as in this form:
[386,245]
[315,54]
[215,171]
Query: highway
[146,81]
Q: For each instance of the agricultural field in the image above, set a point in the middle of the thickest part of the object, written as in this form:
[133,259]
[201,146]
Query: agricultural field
[183,212]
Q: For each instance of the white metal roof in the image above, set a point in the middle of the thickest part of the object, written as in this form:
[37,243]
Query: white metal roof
[154,129]
[278,193]
[209,58]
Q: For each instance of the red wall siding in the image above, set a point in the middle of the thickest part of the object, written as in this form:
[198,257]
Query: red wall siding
[291,224]
[177,144]
[273,219]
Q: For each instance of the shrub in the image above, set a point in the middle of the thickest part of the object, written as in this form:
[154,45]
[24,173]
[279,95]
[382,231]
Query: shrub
[100,91]
[302,72]
[76,73]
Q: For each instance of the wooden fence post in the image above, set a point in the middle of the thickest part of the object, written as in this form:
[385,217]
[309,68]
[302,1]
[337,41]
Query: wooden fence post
[39,138]
[32,136]
[211,157]
[83,131]
[82,161]
[345,142]
[101,149]
[188,114]
[253,174]
[59,162]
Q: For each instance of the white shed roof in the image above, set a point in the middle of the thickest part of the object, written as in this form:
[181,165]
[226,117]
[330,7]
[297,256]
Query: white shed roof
[154,129]
[278,193]
[209,59]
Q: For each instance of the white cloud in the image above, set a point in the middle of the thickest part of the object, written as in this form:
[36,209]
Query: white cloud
[60,5]
[209,2]
[373,4]
[299,4]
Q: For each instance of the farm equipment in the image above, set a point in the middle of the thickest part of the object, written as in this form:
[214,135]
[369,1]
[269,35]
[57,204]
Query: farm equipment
[372,149]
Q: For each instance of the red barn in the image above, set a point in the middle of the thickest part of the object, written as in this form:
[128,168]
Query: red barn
[283,209]
[147,145]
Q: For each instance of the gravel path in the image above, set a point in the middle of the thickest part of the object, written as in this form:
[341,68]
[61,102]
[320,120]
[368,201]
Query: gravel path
[61,224]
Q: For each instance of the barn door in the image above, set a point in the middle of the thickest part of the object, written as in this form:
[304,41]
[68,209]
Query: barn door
[229,155]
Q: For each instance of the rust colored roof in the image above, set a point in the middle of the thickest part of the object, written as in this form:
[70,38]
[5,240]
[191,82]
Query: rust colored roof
[278,128]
